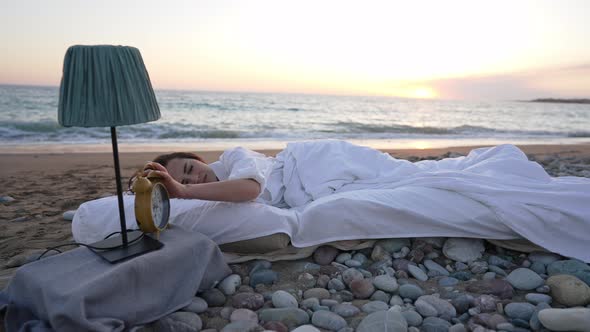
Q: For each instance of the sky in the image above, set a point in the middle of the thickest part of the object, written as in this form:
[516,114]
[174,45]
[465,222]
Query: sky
[498,50]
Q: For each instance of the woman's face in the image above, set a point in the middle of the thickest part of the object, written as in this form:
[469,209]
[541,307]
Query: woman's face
[190,171]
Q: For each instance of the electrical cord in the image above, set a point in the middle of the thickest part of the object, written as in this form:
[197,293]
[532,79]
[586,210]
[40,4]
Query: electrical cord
[92,247]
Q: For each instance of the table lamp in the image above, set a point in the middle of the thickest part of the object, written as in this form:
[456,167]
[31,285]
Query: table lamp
[109,86]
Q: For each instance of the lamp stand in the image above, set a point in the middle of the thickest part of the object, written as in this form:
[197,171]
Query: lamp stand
[124,249]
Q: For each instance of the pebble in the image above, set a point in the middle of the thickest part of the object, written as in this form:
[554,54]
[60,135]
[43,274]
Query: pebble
[352,263]
[538,267]
[457,328]
[489,276]
[544,258]
[571,319]
[359,257]
[306,280]
[374,306]
[543,289]
[214,297]
[291,317]
[462,275]
[328,320]
[379,254]
[393,245]
[380,295]
[6,199]
[434,324]
[345,310]
[442,307]
[282,299]
[229,285]
[524,279]
[497,287]
[462,303]
[410,291]
[252,301]
[311,303]
[448,282]
[463,249]
[69,215]
[318,293]
[569,290]
[536,298]
[412,318]
[485,303]
[396,300]
[385,283]
[478,267]
[362,288]
[243,314]
[433,266]
[306,328]
[351,274]
[259,265]
[179,321]
[263,276]
[325,255]
[238,326]
[386,321]
[343,257]
[336,284]
[519,310]
[417,273]
[573,267]
[499,262]
[198,305]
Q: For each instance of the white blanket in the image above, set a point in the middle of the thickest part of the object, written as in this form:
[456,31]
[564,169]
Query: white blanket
[494,193]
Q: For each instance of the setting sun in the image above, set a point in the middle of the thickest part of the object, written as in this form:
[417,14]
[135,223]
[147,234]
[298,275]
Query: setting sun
[423,92]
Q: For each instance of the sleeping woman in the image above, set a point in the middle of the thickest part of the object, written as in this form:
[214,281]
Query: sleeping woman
[306,171]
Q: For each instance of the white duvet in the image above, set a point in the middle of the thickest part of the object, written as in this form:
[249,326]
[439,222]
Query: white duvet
[494,193]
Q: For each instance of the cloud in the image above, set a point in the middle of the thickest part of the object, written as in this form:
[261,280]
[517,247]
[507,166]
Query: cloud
[565,82]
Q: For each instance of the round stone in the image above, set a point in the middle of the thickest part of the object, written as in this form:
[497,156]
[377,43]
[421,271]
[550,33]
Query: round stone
[229,284]
[345,310]
[569,290]
[385,283]
[280,327]
[536,298]
[319,293]
[343,257]
[433,266]
[291,317]
[352,263]
[306,328]
[572,267]
[498,287]
[351,274]
[69,215]
[441,307]
[463,249]
[214,297]
[462,303]
[412,318]
[243,314]
[282,299]
[417,273]
[306,280]
[336,284]
[434,324]
[374,306]
[448,282]
[324,255]
[263,276]
[524,279]
[386,321]
[252,301]
[362,288]
[489,276]
[198,305]
[519,310]
[178,321]
[311,303]
[393,245]
[571,319]
[485,303]
[544,258]
[238,326]
[410,291]
[328,320]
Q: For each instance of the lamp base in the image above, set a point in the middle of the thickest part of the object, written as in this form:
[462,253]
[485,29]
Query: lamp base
[137,248]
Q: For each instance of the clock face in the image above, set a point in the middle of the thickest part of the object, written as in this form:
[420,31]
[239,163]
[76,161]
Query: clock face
[160,205]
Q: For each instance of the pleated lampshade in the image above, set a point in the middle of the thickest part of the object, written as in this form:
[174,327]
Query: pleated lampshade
[105,86]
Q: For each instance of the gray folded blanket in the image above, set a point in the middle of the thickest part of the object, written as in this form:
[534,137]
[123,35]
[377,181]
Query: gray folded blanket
[79,291]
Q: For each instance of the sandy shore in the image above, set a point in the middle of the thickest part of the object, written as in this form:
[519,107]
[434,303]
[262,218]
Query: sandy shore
[45,185]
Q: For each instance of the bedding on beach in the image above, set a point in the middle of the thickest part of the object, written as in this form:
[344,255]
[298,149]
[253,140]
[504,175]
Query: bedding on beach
[335,191]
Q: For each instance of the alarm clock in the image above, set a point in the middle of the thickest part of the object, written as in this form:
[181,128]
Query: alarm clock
[152,204]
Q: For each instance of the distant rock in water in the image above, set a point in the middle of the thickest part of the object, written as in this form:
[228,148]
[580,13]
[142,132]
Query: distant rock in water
[559,100]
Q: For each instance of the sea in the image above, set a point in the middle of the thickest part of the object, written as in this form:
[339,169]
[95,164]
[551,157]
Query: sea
[197,120]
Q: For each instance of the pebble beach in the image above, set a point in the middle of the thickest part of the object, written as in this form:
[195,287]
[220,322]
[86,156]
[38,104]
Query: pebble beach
[408,284]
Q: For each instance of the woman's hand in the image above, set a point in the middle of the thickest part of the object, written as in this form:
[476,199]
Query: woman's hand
[175,188]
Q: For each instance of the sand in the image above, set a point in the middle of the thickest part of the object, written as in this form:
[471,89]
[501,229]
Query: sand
[45,185]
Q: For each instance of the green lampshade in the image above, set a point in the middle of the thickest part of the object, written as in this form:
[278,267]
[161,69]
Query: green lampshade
[105,86]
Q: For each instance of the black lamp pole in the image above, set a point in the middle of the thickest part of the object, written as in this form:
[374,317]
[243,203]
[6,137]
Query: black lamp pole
[119,189]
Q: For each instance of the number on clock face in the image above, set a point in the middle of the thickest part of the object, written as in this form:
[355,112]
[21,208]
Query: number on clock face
[160,206]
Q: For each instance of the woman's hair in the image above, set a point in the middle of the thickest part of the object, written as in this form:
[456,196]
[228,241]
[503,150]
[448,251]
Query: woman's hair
[163,160]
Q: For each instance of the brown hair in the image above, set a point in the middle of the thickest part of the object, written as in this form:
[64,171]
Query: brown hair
[163,160]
